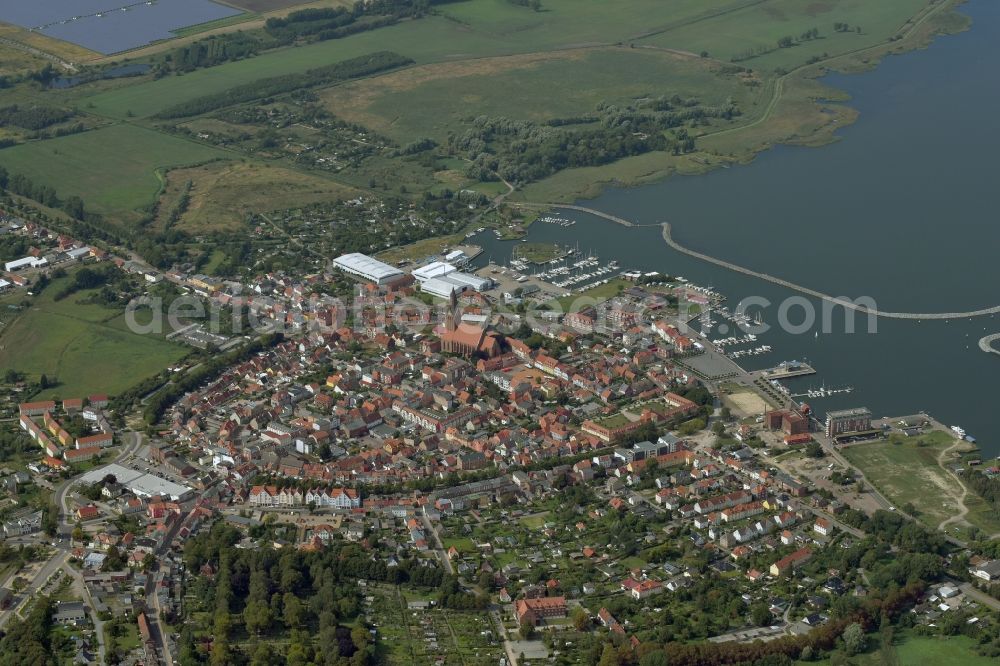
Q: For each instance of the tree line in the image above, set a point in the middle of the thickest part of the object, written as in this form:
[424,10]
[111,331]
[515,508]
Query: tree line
[33,118]
[305,25]
[44,194]
[353,68]
[522,151]
[986,487]
[28,641]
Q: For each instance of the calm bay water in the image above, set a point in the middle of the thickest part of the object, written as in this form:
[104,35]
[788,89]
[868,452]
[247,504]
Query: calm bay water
[900,209]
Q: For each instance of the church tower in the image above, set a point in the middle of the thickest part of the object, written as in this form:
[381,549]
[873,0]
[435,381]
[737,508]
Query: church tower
[449,318]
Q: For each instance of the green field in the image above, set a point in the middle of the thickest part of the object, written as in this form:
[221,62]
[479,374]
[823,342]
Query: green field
[576,302]
[113,169]
[494,58]
[442,98]
[462,30]
[913,650]
[906,470]
[539,253]
[535,522]
[761,24]
[86,348]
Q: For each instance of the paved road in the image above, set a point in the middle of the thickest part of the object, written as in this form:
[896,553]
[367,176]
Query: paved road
[51,566]
[59,558]
[438,547]
[501,632]
[980,596]
[83,592]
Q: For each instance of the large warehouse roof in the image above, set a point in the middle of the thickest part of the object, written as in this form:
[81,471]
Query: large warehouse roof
[470,280]
[455,281]
[434,269]
[366,267]
[140,483]
[441,287]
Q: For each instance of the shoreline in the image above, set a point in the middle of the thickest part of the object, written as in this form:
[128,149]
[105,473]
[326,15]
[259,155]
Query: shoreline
[736,268]
[809,75]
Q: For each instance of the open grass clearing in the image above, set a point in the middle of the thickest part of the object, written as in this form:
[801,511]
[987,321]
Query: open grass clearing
[87,348]
[113,169]
[578,22]
[906,470]
[758,26]
[913,650]
[461,31]
[420,249]
[65,50]
[426,40]
[744,401]
[433,100]
[590,297]
[539,253]
[222,193]
[535,522]
[15,61]
[209,26]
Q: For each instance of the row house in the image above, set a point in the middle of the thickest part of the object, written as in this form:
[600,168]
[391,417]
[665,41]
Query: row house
[722,501]
[338,498]
[100,440]
[81,455]
[741,511]
[36,408]
[791,562]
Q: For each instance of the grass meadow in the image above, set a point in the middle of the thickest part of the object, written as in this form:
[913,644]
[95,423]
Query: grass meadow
[759,25]
[910,649]
[87,348]
[460,31]
[113,169]
[906,470]
[491,57]
[224,192]
[433,100]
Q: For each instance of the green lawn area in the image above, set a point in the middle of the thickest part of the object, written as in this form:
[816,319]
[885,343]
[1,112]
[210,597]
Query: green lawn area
[130,639]
[217,23]
[578,301]
[492,57]
[538,253]
[459,31]
[87,348]
[633,562]
[906,470]
[426,40]
[760,25]
[913,650]
[940,651]
[614,421]
[113,169]
[444,97]
[535,522]
[462,544]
